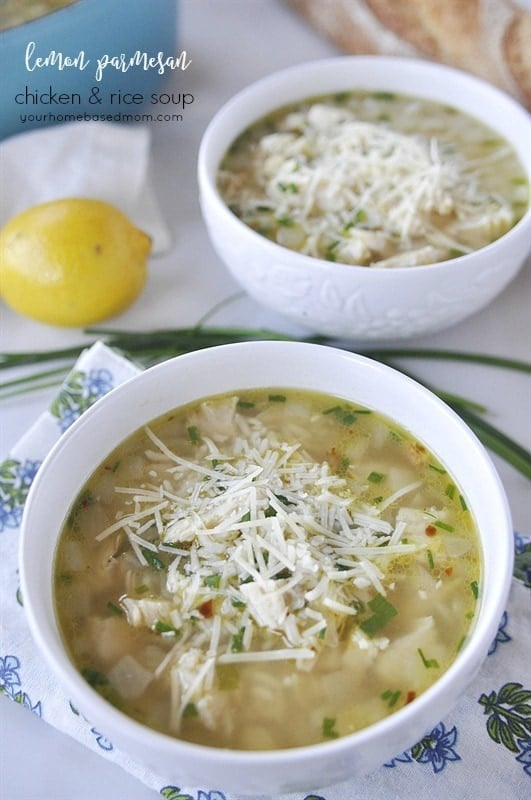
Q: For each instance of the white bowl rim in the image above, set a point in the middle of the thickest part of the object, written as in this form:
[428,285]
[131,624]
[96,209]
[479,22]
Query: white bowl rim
[71,679]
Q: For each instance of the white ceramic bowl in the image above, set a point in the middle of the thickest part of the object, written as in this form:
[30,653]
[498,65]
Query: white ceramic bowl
[230,368]
[350,301]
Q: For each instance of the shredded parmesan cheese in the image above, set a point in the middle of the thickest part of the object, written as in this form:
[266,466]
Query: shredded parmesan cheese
[334,185]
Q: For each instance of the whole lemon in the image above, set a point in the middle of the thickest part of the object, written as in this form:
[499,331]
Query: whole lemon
[72,262]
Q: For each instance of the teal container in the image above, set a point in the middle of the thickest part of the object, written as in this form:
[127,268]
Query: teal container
[77,37]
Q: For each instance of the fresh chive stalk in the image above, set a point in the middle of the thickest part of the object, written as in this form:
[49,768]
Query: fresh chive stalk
[147,348]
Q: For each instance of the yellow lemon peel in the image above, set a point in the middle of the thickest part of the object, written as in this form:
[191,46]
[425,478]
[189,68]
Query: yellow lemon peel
[72,262]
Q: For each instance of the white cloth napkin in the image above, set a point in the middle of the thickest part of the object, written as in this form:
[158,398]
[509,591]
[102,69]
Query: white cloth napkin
[482,749]
[103,160]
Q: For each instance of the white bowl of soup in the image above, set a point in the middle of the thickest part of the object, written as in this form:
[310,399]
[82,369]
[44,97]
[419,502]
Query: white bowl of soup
[266,566]
[369,197]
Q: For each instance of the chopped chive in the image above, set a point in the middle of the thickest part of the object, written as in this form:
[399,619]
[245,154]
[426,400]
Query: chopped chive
[519,181]
[152,559]
[429,663]
[142,589]
[286,222]
[330,251]
[444,525]
[390,697]
[463,503]
[475,589]
[94,677]
[284,500]
[375,477]
[245,404]
[237,641]
[270,512]
[344,464]
[430,559]
[212,581]
[237,603]
[383,612]
[450,491]
[437,469]
[455,252]
[116,465]
[383,95]
[246,517]
[114,609]
[322,633]
[193,434]
[329,728]
[288,187]
[460,644]
[342,415]
[277,398]
[190,710]
[164,627]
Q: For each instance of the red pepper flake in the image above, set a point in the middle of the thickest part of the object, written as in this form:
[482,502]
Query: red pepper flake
[410,696]
[205,609]
[431,530]
[449,570]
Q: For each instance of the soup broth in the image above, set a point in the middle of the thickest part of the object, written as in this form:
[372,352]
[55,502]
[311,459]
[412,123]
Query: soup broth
[266,569]
[374,179]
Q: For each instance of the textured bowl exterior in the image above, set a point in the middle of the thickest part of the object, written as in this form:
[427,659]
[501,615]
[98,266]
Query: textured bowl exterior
[353,302]
[232,368]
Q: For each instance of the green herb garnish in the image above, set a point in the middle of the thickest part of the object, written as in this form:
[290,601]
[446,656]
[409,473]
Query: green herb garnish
[212,581]
[383,612]
[429,663]
[443,525]
[190,711]
[375,477]
[277,398]
[475,589]
[329,728]
[390,697]
[237,641]
[193,434]
[342,415]
[163,627]
[152,559]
